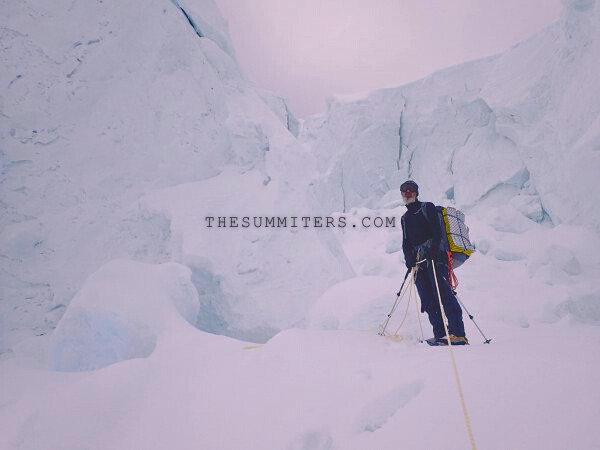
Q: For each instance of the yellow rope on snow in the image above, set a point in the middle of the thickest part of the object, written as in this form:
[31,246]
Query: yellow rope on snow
[463,404]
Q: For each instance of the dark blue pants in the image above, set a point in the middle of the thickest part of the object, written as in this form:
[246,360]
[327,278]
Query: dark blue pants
[430,304]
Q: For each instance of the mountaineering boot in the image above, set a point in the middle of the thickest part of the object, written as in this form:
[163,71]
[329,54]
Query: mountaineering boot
[458,340]
[435,342]
[454,340]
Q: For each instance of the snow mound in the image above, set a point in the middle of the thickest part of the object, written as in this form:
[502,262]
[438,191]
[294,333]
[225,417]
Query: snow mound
[120,312]
[360,303]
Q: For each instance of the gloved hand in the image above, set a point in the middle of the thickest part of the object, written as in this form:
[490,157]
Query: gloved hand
[410,263]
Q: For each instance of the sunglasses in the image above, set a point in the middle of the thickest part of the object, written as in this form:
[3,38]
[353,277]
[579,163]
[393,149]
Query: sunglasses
[407,191]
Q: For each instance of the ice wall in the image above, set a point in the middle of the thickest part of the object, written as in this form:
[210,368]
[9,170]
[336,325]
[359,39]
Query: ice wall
[102,103]
[523,125]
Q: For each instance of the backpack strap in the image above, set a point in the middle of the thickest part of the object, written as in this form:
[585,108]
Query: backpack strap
[424,211]
[435,225]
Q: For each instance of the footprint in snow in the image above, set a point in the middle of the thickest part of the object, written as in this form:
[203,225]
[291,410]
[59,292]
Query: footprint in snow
[374,416]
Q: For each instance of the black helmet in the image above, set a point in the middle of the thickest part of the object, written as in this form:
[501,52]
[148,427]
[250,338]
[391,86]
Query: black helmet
[410,185]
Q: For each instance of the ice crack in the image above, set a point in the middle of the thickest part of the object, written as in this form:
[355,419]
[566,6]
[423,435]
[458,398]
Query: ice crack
[189,19]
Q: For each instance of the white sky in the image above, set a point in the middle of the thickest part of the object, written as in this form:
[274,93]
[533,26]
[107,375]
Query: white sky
[306,50]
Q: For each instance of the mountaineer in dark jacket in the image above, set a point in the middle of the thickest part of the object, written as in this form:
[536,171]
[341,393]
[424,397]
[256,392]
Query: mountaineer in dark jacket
[422,238]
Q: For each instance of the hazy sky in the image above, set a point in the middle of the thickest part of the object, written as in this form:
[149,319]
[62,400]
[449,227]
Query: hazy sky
[306,50]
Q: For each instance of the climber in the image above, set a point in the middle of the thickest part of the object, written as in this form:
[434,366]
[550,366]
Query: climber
[421,246]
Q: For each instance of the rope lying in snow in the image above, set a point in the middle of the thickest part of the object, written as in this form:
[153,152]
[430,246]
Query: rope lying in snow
[456,376]
[399,297]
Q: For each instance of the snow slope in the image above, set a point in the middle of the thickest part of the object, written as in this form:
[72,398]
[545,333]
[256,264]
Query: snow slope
[314,390]
[333,383]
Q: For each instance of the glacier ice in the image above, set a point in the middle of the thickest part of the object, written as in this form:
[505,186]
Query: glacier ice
[139,129]
[524,122]
[103,111]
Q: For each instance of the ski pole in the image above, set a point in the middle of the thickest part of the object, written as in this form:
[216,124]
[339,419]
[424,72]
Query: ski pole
[389,316]
[487,341]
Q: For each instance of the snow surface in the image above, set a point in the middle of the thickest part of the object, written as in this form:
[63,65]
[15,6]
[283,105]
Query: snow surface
[122,126]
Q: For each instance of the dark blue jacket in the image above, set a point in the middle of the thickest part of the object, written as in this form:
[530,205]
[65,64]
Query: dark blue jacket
[417,230]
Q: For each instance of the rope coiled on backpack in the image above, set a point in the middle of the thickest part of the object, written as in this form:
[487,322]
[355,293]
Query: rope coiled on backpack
[452,279]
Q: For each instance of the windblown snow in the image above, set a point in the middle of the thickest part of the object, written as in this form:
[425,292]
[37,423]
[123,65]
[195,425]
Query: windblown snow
[127,322]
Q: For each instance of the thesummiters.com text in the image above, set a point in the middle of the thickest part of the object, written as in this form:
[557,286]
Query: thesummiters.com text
[295,222]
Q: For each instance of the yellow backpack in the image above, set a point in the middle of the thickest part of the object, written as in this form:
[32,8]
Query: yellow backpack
[457,239]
